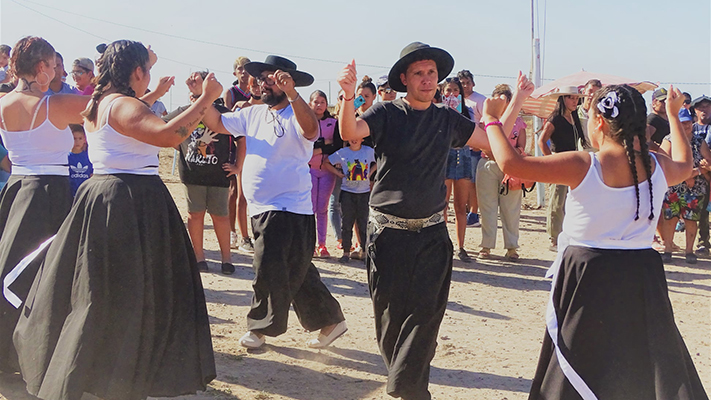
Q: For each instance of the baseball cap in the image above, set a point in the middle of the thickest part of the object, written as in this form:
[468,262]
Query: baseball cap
[85,63]
[660,94]
[382,81]
[685,115]
[700,99]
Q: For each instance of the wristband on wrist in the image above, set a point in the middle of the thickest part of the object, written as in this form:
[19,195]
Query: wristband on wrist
[351,99]
[494,123]
[295,98]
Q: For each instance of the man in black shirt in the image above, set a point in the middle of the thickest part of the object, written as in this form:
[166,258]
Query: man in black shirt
[657,121]
[409,257]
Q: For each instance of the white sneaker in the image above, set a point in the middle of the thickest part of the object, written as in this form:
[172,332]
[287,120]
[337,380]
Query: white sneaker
[233,240]
[252,341]
[324,340]
[246,245]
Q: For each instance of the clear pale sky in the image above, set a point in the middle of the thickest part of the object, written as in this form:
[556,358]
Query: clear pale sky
[655,40]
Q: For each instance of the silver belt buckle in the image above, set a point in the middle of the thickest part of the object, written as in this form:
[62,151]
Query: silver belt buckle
[415,225]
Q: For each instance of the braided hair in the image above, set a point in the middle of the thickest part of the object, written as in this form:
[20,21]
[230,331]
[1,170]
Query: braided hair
[624,109]
[114,68]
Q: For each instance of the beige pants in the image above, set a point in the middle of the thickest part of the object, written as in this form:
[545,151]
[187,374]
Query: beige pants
[488,183]
[556,210]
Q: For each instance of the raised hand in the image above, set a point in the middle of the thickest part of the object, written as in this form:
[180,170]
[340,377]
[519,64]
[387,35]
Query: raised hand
[675,100]
[494,108]
[523,85]
[348,79]
[194,83]
[283,80]
[152,57]
[211,87]
[164,84]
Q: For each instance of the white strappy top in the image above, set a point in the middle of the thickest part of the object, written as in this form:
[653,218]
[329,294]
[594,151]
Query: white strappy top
[597,215]
[38,151]
[114,153]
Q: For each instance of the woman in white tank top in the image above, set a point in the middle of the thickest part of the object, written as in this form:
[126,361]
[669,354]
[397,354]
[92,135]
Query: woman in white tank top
[611,333]
[37,197]
[118,309]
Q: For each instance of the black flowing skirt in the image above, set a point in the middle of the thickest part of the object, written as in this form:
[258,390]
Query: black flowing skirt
[117,309]
[616,329]
[32,208]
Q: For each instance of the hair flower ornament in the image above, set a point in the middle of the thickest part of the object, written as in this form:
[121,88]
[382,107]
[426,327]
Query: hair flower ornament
[608,105]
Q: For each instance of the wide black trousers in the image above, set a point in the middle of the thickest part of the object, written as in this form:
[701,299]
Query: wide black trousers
[409,275]
[284,275]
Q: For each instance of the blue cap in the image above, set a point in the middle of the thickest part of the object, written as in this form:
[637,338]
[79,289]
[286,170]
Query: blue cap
[685,115]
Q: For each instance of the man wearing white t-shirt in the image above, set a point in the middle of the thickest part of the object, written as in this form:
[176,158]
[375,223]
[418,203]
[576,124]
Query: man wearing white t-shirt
[277,185]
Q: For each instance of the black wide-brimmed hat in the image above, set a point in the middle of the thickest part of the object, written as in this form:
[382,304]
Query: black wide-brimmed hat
[417,51]
[273,63]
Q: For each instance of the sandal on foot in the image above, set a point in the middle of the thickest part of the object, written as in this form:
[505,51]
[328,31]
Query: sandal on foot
[512,255]
[485,252]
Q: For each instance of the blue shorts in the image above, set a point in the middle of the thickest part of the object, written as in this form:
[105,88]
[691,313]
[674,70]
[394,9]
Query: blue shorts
[476,156]
[459,164]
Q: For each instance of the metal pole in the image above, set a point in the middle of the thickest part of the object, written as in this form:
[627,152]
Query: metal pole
[540,189]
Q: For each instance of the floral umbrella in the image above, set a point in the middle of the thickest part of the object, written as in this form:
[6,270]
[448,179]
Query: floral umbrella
[542,101]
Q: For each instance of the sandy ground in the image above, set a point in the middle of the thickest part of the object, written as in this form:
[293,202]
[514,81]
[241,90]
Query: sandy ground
[488,342]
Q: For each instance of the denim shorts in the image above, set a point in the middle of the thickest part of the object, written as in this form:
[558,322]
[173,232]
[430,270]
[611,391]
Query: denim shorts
[476,156]
[459,164]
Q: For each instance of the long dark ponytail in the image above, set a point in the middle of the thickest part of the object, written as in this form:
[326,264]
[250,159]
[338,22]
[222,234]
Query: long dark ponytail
[623,108]
[114,68]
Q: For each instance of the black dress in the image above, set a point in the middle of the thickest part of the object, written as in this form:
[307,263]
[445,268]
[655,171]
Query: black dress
[117,309]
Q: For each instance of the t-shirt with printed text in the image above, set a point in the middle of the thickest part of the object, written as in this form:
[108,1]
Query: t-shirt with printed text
[203,153]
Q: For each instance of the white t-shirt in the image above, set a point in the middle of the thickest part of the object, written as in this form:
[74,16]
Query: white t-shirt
[476,101]
[356,168]
[276,168]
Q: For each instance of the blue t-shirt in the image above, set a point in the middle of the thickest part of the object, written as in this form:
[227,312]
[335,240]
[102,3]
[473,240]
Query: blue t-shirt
[4,176]
[66,88]
[356,168]
[80,169]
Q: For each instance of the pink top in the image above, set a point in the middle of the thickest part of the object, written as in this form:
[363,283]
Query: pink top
[519,125]
[326,128]
[88,91]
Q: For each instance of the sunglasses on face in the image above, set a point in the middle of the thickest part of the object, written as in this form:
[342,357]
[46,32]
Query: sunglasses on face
[387,90]
[78,73]
[265,80]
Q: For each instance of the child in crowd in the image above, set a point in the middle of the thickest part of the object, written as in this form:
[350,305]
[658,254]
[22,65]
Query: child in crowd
[80,168]
[4,63]
[355,165]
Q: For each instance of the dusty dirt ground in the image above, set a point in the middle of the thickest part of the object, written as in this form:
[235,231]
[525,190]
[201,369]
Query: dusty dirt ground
[488,342]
